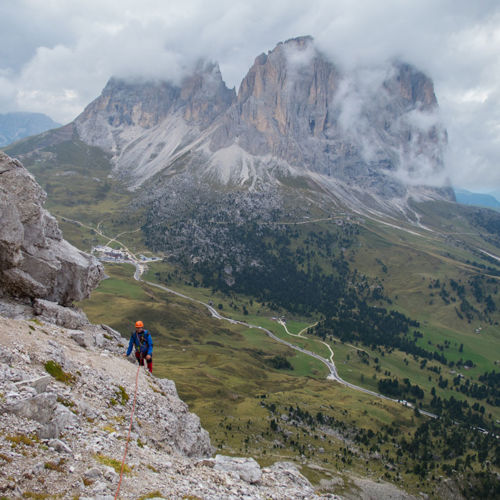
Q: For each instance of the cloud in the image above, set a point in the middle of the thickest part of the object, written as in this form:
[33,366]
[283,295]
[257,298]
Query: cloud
[56,56]
[361,105]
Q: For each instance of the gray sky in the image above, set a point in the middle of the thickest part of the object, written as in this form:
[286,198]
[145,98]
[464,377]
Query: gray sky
[56,55]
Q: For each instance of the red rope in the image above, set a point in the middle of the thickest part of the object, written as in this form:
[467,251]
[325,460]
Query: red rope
[129,429]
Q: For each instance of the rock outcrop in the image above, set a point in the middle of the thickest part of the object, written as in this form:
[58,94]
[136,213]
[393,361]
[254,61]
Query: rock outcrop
[296,105]
[35,261]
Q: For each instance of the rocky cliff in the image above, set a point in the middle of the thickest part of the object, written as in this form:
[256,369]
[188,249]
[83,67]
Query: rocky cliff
[142,122]
[37,266]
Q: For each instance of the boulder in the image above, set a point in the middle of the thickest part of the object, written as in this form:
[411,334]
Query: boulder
[61,419]
[59,446]
[246,469]
[44,409]
[180,427]
[39,408]
[79,337]
[62,316]
[35,261]
[39,384]
[113,333]
[287,473]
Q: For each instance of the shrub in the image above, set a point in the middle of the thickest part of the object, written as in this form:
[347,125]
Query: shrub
[55,466]
[122,395]
[153,494]
[20,439]
[111,462]
[55,370]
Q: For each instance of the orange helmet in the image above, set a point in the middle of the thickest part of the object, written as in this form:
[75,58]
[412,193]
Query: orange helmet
[139,324]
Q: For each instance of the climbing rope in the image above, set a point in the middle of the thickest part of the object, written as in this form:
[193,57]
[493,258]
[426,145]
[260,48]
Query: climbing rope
[129,429]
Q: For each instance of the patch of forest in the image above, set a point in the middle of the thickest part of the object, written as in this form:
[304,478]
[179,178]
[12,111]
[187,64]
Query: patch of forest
[482,288]
[284,272]
[437,447]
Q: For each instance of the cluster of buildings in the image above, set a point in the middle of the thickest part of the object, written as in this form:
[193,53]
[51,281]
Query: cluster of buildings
[109,254]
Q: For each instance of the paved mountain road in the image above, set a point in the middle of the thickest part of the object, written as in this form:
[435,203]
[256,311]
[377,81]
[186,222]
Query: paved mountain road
[328,362]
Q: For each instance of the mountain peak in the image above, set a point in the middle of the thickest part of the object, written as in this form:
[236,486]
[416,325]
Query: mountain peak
[205,94]
[374,131]
[142,105]
[298,43]
[415,87]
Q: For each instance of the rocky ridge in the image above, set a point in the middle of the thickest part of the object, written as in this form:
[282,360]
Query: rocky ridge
[65,433]
[142,122]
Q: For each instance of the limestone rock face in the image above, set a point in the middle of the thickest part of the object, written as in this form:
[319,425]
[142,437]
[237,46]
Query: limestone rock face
[296,105]
[143,123]
[284,99]
[35,260]
[205,95]
[246,469]
[369,138]
[63,316]
[201,97]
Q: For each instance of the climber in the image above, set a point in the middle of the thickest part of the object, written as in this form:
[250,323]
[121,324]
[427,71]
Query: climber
[143,343]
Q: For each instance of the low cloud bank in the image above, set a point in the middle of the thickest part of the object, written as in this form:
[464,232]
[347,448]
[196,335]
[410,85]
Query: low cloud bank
[56,57]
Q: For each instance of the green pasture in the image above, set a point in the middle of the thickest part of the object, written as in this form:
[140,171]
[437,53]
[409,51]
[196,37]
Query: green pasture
[399,365]
[222,371]
[482,348]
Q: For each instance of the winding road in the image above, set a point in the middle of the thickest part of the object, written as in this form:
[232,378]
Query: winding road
[140,267]
[333,375]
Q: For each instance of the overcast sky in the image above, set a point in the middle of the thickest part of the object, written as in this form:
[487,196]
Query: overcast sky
[56,55]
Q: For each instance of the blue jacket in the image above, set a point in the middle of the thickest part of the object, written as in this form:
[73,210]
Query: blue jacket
[143,343]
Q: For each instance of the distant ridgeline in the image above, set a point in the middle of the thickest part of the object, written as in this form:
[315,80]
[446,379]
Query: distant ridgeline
[16,126]
[478,199]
